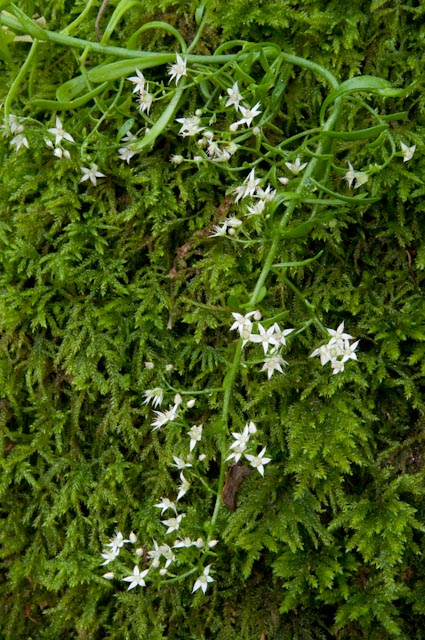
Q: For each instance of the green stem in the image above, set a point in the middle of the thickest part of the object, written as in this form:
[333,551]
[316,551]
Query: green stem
[67,30]
[17,83]
[316,165]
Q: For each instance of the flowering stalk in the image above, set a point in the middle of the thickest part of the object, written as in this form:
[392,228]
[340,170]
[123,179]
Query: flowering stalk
[314,166]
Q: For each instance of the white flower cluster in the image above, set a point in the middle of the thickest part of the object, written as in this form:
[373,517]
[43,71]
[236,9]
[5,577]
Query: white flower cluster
[17,130]
[273,337]
[239,447]
[173,523]
[59,134]
[338,350]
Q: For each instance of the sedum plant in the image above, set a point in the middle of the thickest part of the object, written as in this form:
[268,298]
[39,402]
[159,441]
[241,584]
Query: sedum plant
[184,402]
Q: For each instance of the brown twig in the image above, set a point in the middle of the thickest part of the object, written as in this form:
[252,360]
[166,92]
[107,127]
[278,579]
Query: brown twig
[99,18]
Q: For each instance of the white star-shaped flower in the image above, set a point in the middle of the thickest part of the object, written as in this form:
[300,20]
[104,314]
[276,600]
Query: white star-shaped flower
[59,133]
[109,555]
[356,178]
[265,337]
[248,114]
[91,174]
[136,579]
[273,363]
[183,487]
[178,69]
[195,434]
[407,151]
[166,504]
[259,461]
[180,463]
[173,524]
[139,82]
[243,324]
[145,101]
[296,167]
[190,126]
[338,335]
[203,580]
[19,141]
[155,396]
[234,96]
[162,417]
[126,153]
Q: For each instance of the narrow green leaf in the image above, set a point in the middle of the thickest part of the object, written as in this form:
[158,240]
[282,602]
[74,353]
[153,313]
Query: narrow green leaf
[369,84]
[360,134]
[299,263]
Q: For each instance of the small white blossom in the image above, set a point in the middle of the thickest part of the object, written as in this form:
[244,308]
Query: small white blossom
[19,141]
[407,151]
[173,524]
[155,396]
[15,124]
[149,365]
[183,543]
[126,153]
[169,367]
[203,580]
[139,82]
[257,208]
[109,555]
[176,159]
[283,180]
[166,504]
[243,324]
[167,553]
[117,541]
[348,351]
[190,126]
[109,576]
[91,174]
[162,417]
[279,336]
[155,554]
[265,337]
[180,463]
[251,427]
[239,445]
[235,96]
[178,69]
[191,403]
[296,167]
[248,114]
[356,178]
[338,335]
[259,461]
[195,434]
[136,579]
[219,231]
[60,133]
[183,487]
[337,366]
[145,101]
[248,188]
[273,363]
[265,195]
